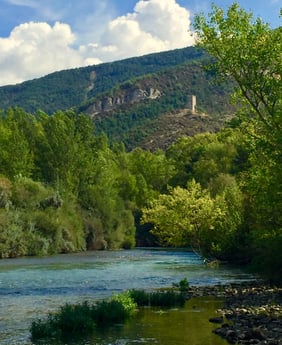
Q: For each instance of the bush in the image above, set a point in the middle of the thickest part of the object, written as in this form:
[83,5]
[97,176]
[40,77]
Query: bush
[81,319]
[41,329]
[158,298]
[5,192]
[183,285]
[127,302]
[73,321]
[166,299]
[70,320]
[140,297]
[108,313]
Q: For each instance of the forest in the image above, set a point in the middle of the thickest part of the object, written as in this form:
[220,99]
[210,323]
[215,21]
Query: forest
[69,88]
[65,188]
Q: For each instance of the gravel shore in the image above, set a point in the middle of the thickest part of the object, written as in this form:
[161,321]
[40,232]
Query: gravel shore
[252,313]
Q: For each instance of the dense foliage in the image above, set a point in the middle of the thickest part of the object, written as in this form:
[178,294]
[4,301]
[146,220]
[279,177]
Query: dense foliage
[250,52]
[65,89]
[63,188]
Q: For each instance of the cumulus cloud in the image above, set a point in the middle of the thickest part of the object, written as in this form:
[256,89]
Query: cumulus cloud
[36,49]
[153,26]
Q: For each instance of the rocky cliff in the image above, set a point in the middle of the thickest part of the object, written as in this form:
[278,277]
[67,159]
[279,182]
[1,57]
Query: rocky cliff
[129,96]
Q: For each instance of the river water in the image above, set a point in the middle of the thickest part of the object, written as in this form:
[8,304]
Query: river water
[32,287]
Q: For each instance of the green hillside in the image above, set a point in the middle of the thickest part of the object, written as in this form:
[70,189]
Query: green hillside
[161,120]
[65,89]
[150,122]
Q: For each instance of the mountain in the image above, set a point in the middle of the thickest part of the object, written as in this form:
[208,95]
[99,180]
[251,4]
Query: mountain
[143,101]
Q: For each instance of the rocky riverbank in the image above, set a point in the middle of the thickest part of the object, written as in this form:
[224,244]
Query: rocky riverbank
[252,313]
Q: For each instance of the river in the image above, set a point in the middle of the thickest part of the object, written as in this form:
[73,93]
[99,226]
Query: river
[32,287]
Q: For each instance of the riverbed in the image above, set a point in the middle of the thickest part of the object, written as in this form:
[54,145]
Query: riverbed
[32,287]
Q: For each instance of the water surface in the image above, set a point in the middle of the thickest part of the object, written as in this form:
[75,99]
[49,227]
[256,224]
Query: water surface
[32,287]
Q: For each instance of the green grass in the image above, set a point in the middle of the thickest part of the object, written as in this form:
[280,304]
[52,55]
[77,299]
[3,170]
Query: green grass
[82,319]
[158,298]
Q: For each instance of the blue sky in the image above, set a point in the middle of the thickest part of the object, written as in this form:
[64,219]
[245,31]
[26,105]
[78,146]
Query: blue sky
[38,37]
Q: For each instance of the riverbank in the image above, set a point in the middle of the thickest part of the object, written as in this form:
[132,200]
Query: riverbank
[252,313]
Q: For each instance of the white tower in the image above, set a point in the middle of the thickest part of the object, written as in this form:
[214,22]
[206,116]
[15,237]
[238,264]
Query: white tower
[194,104]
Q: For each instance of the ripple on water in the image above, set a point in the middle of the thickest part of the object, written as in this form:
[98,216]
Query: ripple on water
[31,287]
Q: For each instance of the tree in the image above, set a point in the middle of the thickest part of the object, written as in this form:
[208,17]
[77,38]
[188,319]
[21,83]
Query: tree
[16,157]
[186,217]
[250,53]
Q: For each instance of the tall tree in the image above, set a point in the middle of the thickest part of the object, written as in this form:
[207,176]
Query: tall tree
[250,52]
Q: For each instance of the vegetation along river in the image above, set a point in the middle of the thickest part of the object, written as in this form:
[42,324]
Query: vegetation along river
[32,287]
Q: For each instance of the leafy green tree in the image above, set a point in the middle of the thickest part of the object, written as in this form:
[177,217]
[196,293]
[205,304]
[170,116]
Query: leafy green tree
[186,217]
[250,52]
[184,153]
[60,151]
[15,154]
[110,222]
[231,240]
[205,156]
[152,172]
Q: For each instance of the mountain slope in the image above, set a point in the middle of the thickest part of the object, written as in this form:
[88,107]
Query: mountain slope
[65,89]
[153,110]
[144,101]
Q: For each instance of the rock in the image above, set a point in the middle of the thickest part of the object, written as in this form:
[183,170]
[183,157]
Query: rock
[231,336]
[126,96]
[216,319]
[255,333]
[253,311]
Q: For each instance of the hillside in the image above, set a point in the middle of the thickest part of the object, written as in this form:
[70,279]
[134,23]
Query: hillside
[152,111]
[143,101]
[68,88]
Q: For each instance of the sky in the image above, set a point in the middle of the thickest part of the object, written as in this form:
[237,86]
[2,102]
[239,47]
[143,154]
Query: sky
[38,37]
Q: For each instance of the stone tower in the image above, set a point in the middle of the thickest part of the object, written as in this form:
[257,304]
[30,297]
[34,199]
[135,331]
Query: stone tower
[192,103]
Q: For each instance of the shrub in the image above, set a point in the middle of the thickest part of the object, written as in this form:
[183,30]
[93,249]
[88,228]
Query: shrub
[107,313]
[70,320]
[41,329]
[166,299]
[75,319]
[81,319]
[183,285]
[140,297]
[127,302]
[158,298]
[5,192]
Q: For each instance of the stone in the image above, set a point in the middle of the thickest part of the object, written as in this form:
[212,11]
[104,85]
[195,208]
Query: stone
[216,319]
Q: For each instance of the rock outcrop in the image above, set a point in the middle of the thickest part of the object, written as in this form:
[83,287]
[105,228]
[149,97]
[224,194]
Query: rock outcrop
[127,97]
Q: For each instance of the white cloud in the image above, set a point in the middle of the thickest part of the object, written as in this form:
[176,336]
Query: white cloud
[153,26]
[36,49]
[27,3]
